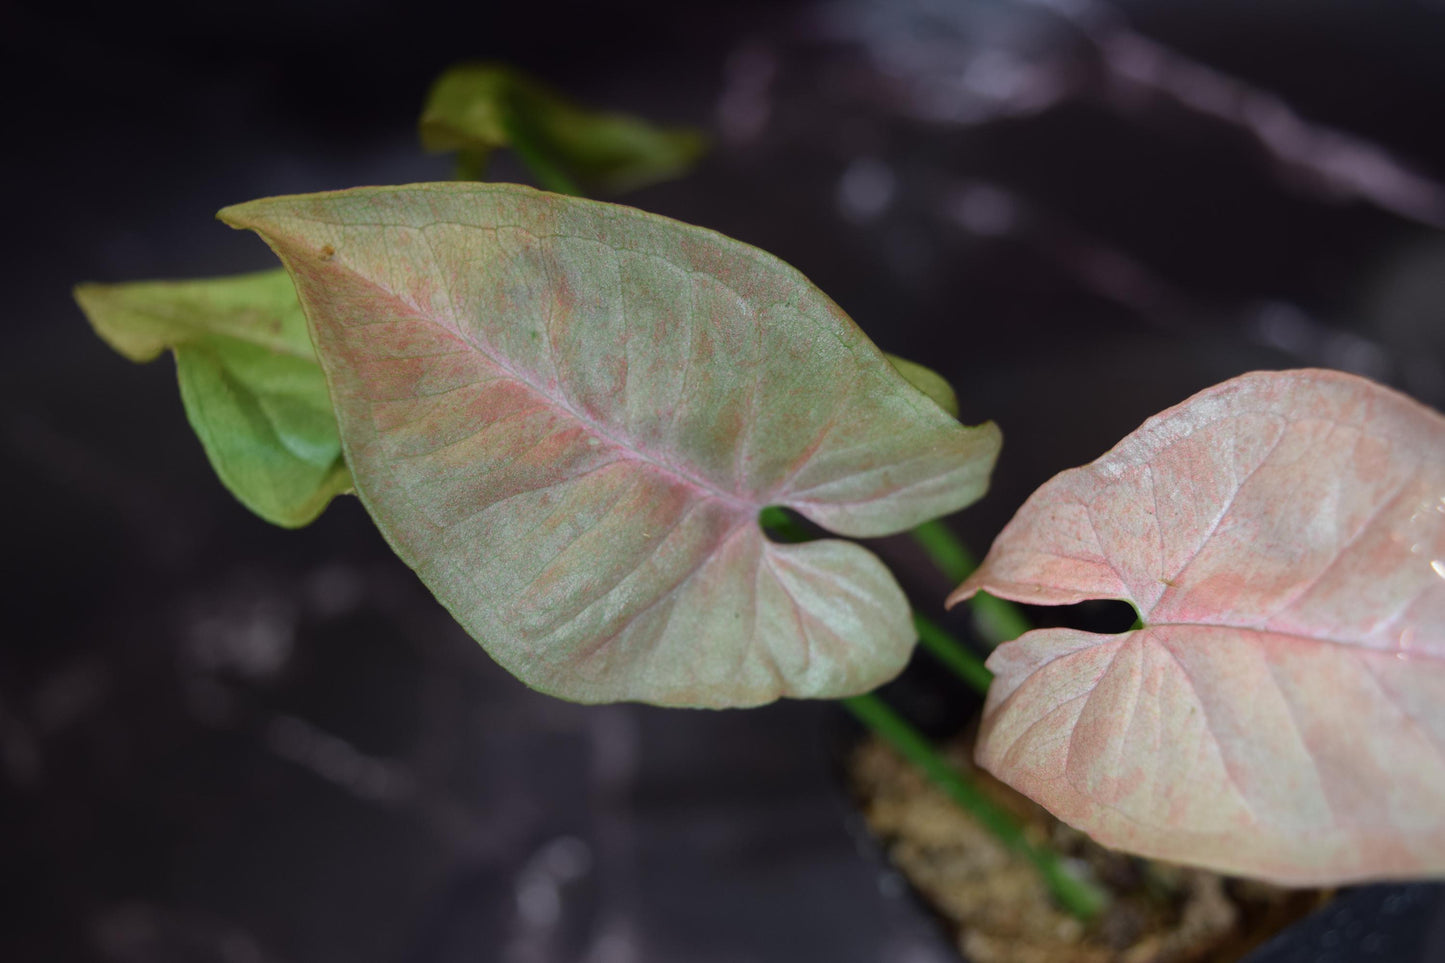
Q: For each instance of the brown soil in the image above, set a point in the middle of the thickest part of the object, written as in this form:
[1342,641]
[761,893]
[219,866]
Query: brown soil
[999,910]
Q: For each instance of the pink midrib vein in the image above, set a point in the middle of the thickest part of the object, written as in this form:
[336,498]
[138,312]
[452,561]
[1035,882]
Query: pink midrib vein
[631,449]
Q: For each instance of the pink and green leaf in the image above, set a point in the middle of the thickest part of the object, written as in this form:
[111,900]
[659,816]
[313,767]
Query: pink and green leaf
[252,389]
[1282,711]
[567,416]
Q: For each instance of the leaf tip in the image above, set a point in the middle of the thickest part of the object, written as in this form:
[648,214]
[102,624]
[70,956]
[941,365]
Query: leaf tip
[258,214]
[104,308]
[236,216]
[964,592]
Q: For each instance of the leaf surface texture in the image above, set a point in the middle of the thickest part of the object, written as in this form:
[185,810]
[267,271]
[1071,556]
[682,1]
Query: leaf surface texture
[1282,712]
[567,415]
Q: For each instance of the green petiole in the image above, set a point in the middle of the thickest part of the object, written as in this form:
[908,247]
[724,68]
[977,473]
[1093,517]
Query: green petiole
[1076,894]
[996,620]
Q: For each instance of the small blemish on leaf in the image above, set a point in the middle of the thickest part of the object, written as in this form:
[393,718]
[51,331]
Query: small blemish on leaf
[327,252]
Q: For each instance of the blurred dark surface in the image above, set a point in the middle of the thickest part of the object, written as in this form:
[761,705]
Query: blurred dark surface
[220,741]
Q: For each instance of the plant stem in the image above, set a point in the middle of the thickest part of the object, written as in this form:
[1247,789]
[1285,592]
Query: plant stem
[953,653]
[1077,895]
[948,553]
[997,620]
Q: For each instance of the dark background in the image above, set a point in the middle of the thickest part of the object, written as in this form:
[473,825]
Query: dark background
[220,741]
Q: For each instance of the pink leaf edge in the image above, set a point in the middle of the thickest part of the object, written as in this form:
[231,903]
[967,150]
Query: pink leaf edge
[1282,712]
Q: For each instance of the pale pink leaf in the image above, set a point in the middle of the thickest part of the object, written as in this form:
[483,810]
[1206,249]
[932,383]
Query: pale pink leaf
[1282,712]
[566,416]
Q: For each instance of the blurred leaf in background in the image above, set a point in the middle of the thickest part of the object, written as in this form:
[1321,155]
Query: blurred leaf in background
[474,109]
[252,389]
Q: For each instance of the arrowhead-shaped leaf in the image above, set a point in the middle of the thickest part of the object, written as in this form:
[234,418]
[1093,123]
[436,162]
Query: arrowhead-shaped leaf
[567,415]
[1282,712]
[252,389]
[476,108]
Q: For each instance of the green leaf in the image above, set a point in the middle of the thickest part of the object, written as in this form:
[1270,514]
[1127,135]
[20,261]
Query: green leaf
[252,389]
[568,415]
[476,108]
[928,381]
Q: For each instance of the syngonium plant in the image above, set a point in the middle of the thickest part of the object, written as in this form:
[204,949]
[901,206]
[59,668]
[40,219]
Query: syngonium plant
[567,417]
[570,417]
